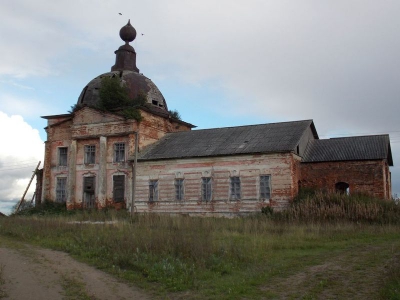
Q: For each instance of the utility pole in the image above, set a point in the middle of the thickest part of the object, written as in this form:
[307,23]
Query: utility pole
[134,169]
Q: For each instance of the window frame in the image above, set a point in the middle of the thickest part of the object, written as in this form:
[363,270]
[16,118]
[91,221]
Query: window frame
[119,153]
[179,189]
[265,187]
[61,192]
[90,152]
[62,157]
[153,190]
[206,189]
[235,190]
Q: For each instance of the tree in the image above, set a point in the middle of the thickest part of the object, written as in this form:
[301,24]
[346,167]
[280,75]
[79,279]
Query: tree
[114,96]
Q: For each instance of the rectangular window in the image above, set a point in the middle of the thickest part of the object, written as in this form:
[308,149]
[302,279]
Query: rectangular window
[119,152]
[235,188]
[62,156]
[206,189]
[119,188]
[179,192]
[153,190]
[265,186]
[90,154]
[61,189]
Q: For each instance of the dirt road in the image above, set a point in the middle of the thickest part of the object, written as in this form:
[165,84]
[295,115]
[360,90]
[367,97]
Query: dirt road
[28,272]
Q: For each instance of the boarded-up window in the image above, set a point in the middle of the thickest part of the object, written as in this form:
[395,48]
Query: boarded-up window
[90,154]
[235,188]
[62,156]
[119,188]
[61,189]
[153,190]
[265,186]
[119,152]
[206,189]
[179,191]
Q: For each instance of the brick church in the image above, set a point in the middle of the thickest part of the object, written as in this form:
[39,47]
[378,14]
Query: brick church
[96,158]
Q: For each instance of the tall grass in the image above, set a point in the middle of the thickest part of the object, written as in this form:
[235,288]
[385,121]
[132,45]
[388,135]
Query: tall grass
[336,207]
[391,287]
[181,253]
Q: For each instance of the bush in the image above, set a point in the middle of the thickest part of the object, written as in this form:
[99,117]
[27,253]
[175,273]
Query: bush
[175,114]
[46,208]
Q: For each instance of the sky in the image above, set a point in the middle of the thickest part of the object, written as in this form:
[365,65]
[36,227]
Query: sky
[219,63]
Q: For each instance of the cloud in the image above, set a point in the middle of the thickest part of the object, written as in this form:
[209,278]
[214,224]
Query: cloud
[336,62]
[27,107]
[20,152]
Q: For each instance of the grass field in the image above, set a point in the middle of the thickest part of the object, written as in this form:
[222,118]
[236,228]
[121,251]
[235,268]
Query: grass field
[256,257]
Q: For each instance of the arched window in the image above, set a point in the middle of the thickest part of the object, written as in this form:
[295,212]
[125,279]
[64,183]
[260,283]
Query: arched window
[342,188]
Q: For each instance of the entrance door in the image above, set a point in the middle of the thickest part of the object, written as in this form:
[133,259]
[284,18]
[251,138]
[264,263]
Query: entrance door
[89,192]
[342,188]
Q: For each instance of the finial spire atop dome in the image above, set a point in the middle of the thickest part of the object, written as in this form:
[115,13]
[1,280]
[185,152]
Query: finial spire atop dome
[127,33]
[125,55]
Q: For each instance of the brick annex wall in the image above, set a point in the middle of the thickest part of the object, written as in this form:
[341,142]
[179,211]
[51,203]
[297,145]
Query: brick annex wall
[369,177]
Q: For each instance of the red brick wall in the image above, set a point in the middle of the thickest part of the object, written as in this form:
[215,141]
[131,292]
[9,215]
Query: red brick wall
[87,126]
[367,177]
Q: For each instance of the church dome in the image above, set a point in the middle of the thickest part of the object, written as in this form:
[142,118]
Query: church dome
[134,82]
[125,69]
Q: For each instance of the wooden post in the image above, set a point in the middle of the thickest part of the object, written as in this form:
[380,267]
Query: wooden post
[26,190]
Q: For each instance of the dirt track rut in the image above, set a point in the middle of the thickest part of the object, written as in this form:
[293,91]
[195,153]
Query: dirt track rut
[35,273]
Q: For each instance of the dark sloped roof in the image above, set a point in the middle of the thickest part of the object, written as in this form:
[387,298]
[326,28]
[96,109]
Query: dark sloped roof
[264,138]
[349,148]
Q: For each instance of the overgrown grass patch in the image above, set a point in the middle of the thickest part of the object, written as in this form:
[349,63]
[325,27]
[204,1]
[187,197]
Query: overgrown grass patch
[249,257]
[317,207]
[207,256]
[391,286]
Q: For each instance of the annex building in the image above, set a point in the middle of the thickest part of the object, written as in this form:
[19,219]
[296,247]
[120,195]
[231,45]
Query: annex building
[96,158]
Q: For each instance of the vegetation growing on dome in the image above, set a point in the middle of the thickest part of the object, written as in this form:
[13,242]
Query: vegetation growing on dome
[175,114]
[75,107]
[114,96]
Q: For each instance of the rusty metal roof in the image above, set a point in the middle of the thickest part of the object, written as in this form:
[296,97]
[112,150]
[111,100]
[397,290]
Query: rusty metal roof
[373,147]
[264,138]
